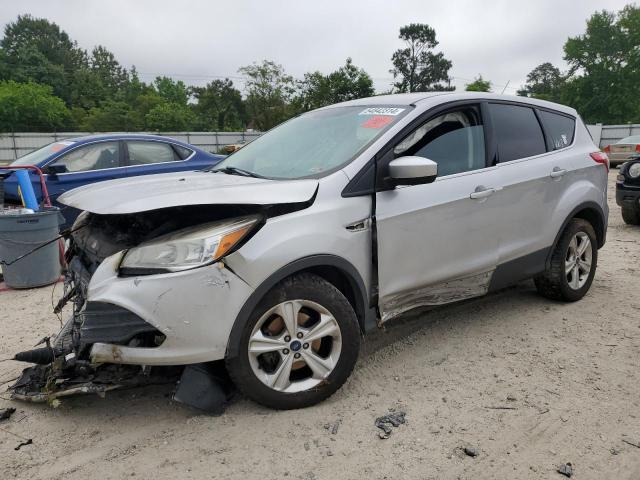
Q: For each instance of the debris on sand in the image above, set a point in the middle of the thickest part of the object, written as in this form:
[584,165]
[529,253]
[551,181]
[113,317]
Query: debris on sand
[386,422]
[566,470]
[332,427]
[24,444]
[5,413]
[471,452]
[633,444]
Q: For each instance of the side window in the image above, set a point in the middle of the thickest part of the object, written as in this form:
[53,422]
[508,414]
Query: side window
[518,132]
[454,140]
[559,127]
[144,153]
[96,156]
[183,152]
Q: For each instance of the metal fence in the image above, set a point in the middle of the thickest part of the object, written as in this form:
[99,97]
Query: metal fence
[604,135]
[14,145]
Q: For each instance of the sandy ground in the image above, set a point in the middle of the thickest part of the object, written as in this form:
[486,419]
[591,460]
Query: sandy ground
[569,374]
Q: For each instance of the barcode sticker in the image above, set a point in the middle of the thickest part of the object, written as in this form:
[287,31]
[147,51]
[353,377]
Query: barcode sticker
[393,111]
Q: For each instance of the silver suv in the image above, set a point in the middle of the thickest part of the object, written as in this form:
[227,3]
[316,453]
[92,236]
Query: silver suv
[278,259]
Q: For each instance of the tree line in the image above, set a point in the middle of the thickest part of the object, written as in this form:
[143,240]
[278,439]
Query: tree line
[48,82]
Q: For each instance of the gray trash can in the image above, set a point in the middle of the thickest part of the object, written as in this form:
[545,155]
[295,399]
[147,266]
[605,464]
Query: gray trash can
[21,233]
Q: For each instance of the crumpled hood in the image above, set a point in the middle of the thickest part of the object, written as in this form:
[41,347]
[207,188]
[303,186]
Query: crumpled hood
[153,192]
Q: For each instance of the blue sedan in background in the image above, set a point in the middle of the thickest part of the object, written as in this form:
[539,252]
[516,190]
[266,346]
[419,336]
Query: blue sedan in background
[75,162]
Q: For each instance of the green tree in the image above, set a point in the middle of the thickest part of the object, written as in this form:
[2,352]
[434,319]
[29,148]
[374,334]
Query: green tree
[478,85]
[111,116]
[416,67]
[604,67]
[545,82]
[313,91]
[170,116]
[37,50]
[269,92]
[112,77]
[29,107]
[171,90]
[102,79]
[349,82]
[219,106]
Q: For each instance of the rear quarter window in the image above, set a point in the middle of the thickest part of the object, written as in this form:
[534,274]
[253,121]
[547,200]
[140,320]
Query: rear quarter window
[183,152]
[559,127]
[518,132]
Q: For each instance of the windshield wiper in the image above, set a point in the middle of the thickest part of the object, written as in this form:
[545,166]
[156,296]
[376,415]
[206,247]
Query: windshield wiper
[237,171]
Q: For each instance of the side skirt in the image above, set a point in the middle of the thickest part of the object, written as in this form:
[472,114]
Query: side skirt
[476,285]
[519,269]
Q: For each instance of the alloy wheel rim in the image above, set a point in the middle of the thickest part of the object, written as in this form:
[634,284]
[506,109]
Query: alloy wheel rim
[577,265]
[294,346]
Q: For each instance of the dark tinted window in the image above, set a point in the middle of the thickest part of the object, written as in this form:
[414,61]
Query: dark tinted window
[518,132]
[454,140]
[559,127]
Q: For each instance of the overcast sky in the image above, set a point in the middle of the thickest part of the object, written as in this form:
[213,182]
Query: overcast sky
[197,41]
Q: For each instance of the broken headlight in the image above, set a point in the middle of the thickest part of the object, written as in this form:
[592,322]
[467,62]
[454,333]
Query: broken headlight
[188,248]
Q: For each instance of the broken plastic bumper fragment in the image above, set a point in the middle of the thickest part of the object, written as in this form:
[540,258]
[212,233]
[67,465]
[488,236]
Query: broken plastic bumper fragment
[194,309]
[46,383]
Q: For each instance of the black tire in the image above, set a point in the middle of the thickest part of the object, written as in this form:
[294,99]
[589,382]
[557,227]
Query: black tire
[631,215]
[313,288]
[553,283]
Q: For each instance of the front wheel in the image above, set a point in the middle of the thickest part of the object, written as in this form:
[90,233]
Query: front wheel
[299,346]
[573,264]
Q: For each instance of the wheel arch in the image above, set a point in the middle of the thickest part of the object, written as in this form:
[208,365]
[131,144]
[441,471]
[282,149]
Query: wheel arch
[592,213]
[334,269]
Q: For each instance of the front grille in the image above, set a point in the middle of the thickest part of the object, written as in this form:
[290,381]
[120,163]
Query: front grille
[108,323]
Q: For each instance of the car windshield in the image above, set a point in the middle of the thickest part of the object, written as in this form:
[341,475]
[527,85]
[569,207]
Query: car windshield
[633,139]
[41,154]
[313,144]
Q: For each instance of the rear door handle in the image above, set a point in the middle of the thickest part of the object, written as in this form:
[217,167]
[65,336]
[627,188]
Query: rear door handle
[557,172]
[482,192]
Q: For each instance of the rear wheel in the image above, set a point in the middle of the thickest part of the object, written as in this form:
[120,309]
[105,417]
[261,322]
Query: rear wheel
[631,215]
[573,264]
[299,345]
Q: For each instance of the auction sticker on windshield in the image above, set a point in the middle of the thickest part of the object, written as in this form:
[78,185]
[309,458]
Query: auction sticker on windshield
[393,111]
[377,121]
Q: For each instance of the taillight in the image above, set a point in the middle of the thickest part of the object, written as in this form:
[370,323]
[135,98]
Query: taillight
[601,157]
[607,149]
[638,147]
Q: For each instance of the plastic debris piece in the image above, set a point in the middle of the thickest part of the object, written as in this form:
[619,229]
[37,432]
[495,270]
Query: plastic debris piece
[472,452]
[566,470]
[24,444]
[6,413]
[386,422]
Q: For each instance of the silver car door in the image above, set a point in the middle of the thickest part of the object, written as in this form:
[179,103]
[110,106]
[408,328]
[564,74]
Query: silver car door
[533,181]
[436,243]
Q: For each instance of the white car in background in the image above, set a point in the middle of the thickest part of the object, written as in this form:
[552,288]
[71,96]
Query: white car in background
[620,151]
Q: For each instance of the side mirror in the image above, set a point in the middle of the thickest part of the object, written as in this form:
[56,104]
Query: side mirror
[412,171]
[56,168]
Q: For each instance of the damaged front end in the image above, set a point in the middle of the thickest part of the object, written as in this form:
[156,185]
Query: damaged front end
[64,363]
